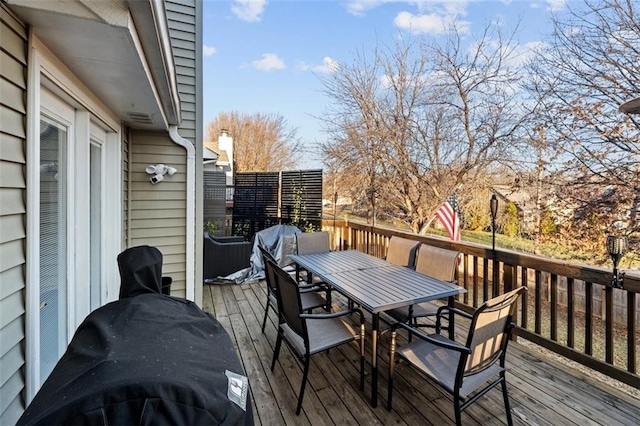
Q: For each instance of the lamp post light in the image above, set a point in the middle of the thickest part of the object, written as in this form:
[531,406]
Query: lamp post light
[616,247]
[493,204]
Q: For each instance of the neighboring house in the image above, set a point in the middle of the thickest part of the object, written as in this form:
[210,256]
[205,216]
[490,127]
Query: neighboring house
[209,160]
[525,201]
[92,93]
[225,155]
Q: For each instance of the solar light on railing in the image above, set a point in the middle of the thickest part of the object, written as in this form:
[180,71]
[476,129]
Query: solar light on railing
[616,247]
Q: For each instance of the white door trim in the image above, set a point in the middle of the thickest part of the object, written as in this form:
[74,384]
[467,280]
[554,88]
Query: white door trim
[46,73]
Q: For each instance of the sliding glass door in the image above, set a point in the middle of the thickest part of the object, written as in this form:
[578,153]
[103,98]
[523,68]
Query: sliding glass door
[54,295]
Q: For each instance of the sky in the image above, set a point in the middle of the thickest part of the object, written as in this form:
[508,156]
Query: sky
[267,57]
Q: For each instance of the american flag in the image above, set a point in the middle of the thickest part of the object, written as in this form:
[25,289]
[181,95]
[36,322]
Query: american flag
[448,216]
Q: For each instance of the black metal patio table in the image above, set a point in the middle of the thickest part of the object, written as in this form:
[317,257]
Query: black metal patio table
[377,286]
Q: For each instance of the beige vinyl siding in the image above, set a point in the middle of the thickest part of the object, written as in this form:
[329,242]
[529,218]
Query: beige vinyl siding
[157,212]
[13,84]
[182,19]
[185,28]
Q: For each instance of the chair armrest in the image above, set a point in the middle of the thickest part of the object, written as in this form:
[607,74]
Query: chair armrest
[447,344]
[314,289]
[335,315]
[444,311]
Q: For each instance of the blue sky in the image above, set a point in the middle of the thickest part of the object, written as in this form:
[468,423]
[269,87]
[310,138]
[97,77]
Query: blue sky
[265,56]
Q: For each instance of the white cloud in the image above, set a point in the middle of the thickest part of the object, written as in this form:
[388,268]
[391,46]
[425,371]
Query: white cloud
[208,50]
[328,66]
[269,62]
[555,5]
[248,10]
[527,51]
[429,23]
[449,7]
[359,7]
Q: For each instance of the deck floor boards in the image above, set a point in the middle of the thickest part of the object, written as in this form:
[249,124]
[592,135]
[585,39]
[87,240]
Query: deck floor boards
[542,391]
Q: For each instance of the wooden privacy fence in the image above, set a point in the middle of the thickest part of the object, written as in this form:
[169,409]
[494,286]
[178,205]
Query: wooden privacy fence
[569,309]
[214,188]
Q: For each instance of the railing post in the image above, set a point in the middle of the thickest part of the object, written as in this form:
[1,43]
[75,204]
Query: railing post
[495,280]
[509,277]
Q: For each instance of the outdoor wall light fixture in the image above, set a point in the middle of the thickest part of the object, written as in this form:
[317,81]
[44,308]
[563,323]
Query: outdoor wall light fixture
[159,171]
[493,205]
[616,247]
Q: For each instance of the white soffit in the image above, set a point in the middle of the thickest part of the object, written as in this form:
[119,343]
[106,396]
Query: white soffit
[99,42]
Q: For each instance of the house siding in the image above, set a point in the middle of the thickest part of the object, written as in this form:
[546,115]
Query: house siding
[185,28]
[13,86]
[157,212]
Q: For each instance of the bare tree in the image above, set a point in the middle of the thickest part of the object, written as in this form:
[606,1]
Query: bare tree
[417,119]
[262,142]
[580,77]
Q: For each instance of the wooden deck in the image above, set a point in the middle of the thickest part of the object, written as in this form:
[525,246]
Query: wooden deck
[542,390]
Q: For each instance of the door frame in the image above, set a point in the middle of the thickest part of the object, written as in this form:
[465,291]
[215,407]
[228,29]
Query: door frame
[47,71]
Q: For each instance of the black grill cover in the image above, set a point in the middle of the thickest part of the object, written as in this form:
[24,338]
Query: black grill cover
[144,359]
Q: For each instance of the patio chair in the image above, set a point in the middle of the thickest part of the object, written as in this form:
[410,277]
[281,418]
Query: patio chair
[465,371]
[224,255]
[310,243]
[435,262]
[309,294]
[402,251]
[309,334]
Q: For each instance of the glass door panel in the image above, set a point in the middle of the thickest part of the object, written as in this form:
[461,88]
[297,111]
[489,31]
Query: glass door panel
[53,243]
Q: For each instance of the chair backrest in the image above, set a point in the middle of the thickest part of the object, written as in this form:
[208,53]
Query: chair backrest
[266,254]
[289,303]
[437,262]
[402,251]
[489,331]
[313,242]
[269,269]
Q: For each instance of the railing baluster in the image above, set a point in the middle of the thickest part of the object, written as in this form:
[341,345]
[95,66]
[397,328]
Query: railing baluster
[570,314]
[495,278]
[485,279]
[524,281]
[465,277]
[631,332]
[554,307]
[538,305]
[608,321]
[588,318]
[476,271]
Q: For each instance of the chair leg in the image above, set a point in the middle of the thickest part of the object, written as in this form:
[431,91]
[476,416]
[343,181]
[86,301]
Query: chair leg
[505,395]
[413,322]
[362,333]
[458,411]
[276,350]
[266,313]
[392,364]
[307,361]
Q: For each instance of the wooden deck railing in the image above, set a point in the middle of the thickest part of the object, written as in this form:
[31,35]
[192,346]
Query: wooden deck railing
[570,309]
